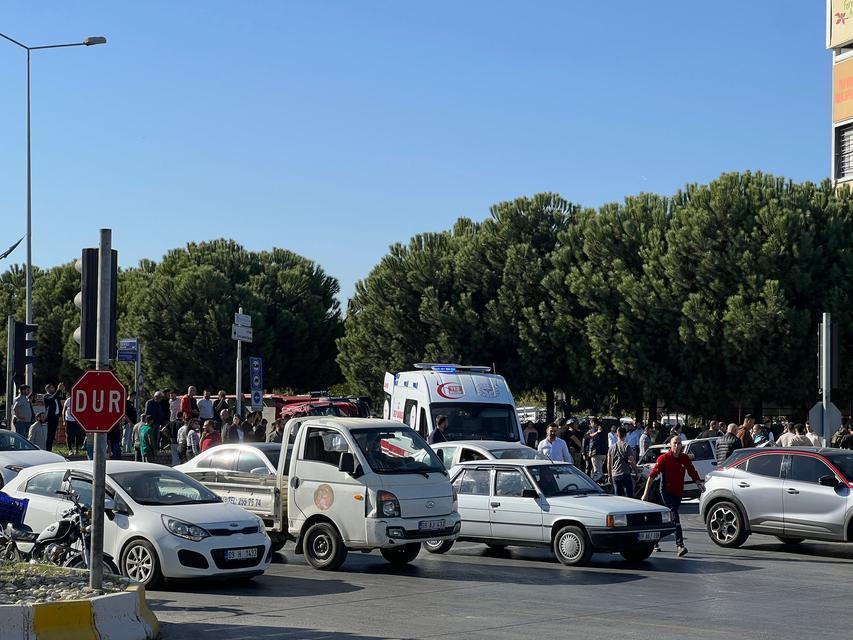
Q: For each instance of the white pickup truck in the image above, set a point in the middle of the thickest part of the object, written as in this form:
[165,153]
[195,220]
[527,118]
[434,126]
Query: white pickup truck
[348,484]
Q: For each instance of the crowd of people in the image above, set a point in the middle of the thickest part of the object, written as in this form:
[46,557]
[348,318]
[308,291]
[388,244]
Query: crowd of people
[169,428]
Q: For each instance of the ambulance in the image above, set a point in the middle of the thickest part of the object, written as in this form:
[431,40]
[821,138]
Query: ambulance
[478,404]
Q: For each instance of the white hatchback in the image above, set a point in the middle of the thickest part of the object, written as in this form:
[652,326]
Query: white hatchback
[160,522]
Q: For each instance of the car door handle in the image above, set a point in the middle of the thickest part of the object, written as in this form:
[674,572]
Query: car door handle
[743,485]
[496,504]
[294,482]
[792,491]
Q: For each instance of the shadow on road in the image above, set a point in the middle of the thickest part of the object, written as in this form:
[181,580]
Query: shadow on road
[266,586]
[196,630]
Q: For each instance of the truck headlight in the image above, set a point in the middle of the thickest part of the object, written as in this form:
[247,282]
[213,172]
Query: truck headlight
[184,529]
[389,506]
[617,521]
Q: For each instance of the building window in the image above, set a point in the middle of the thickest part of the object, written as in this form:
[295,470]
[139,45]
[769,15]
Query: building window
[844,152]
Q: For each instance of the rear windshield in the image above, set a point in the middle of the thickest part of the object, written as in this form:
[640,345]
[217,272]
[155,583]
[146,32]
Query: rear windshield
[518,453]
[13,442]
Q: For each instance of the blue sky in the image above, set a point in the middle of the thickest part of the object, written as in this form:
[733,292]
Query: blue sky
[335,129]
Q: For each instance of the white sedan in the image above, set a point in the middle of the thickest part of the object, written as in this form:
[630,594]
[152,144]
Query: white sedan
[17,453]
[160,522]
[457,451]
[542,503]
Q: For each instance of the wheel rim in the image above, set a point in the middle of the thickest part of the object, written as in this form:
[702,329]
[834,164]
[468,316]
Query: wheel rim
[321,546]
[433,544]
[571,546]
[139,564]
[724,524]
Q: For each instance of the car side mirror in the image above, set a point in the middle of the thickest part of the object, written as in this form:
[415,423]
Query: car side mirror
[347,463]
[109,508]
[828,481]
[529,493]
[713,463]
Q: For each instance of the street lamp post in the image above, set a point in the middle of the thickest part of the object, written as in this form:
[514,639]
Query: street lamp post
[88,42]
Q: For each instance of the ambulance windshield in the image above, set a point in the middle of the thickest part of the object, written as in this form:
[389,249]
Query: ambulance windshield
[477,421]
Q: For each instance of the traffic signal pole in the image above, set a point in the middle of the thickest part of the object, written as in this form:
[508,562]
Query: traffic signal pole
[10,369]
[102,361]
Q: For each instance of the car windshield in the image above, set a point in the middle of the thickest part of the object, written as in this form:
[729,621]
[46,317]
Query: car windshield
[398,450]
[273,456]
[13,442]
[518,453]
[843,462]
[477,421]
[164,488]
[562,480]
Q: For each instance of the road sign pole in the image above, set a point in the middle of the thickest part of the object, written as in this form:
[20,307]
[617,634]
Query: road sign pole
[239,393]
[10,358]
[96,558]
[826,375]
[137,369]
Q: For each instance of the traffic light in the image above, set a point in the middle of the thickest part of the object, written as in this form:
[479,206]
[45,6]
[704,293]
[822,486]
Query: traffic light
[20,343]
[87,301]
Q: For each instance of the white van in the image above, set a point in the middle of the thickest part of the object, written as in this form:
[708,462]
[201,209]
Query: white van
[478,404]
[348,484]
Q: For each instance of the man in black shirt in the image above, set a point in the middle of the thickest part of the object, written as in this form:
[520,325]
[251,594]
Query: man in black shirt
[437,434]
[727,444]
[54,398]
[847,440]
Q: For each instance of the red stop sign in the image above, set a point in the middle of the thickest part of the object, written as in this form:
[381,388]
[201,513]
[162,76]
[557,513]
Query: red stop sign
[97,400]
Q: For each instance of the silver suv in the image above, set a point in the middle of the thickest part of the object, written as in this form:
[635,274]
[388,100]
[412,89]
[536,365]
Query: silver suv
[790,493]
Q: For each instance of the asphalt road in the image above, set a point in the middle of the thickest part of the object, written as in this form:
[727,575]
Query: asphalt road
[763,590]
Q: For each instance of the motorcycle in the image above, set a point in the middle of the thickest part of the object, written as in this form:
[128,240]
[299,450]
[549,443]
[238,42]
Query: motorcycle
[65,542]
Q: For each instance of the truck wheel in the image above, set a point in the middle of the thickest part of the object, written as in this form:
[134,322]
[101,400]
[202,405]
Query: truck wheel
[438,546]
[402,555]
[571,546]
[323,547]
[725,525]
[638,553]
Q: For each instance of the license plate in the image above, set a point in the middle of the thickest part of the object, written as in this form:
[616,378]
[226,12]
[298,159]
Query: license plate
[649,535]
[430,525]
[241,554]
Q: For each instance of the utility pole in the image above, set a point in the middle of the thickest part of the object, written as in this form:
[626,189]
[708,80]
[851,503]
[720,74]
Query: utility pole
[239,398]
[102,361]
[826,374]
[10,369]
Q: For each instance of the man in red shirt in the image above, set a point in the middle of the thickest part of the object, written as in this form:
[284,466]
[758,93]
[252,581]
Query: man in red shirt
[672,465]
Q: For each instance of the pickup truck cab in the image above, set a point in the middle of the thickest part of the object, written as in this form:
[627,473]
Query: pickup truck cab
[349,484]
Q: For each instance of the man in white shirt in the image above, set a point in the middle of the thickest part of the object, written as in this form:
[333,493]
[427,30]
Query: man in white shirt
[22,411]
[174,405]
[205,407]
[554,447]
[816,440]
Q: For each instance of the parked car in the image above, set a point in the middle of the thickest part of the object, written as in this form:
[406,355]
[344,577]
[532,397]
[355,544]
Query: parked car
[452,453]
[541,503]
[702,452]
[18,453]
[238,467]
[791,493]
[160,522]
[351,484]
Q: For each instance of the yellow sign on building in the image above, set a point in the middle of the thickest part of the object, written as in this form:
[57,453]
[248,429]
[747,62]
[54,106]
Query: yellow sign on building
[842,90]
[840,28]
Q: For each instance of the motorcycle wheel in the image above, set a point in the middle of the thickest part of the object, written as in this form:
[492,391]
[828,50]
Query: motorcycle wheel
[76,562]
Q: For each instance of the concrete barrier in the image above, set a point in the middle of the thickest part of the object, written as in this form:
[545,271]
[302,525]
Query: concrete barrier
[116,616]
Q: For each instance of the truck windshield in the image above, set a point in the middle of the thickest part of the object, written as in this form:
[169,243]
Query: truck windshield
[396,451]
[477,421]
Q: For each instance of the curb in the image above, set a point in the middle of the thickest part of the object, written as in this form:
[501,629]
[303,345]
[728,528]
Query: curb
[117,616]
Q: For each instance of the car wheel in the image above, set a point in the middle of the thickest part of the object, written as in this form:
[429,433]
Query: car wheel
[139,562]
[725,525]
[571,546]
[496,546]
[438,546]
[638,553]
[402,555]
[323,547]
[789,540]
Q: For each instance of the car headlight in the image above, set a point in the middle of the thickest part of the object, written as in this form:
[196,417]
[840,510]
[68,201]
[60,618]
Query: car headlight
[184,529]
[617,521]
[261,526]
[389,506]
[666,516]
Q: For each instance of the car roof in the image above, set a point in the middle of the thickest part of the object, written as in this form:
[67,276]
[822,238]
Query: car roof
[356,423]
[509,462]
[483,444]
[113,466]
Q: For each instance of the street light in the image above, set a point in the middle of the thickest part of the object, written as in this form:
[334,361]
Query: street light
[88,42]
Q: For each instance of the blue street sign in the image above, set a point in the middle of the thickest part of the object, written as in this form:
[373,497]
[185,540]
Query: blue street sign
[256,377]
[126,356]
